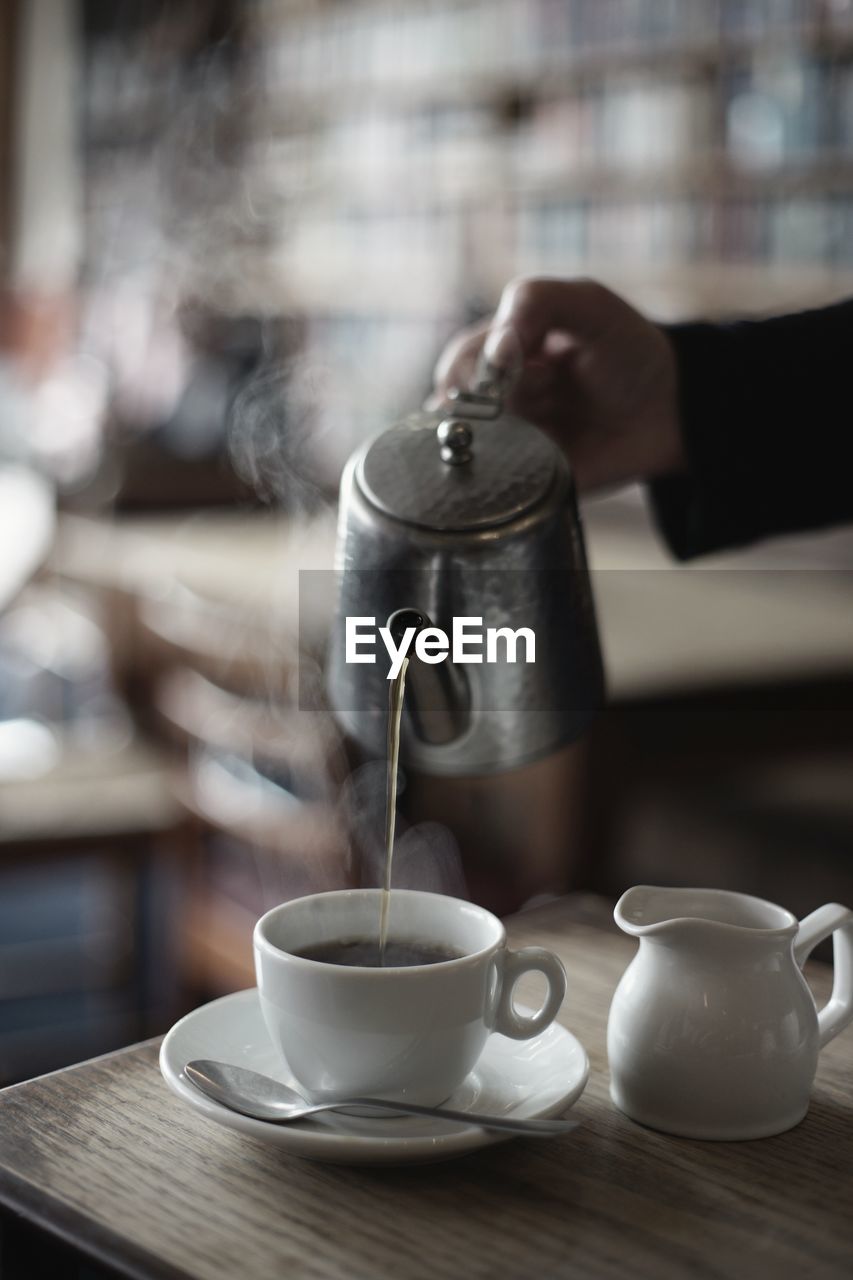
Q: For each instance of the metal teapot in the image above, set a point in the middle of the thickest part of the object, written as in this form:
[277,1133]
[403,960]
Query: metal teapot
[469,512]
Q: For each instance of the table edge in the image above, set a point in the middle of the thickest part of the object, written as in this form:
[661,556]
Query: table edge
[152,1042]
[81,1233]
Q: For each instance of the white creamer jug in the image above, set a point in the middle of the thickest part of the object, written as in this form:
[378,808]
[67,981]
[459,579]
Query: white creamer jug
[713,1032]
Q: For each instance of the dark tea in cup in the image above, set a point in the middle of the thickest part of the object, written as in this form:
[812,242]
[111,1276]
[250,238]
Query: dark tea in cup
[366,953]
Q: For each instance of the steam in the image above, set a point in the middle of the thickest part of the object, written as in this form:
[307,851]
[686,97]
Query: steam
[201,223]
[271,436]
[426,855]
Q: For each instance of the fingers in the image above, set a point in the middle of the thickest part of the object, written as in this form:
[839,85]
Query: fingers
[457,363]
[457,367]
[533,308]
[536,317]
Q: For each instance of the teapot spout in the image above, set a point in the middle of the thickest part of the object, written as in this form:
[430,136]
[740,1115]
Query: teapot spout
[438,701]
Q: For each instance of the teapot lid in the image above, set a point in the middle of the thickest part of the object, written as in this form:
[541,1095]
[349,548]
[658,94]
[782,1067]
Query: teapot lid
[447,471]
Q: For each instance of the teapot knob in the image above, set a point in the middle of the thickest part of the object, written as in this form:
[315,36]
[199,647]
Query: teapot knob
[454,436]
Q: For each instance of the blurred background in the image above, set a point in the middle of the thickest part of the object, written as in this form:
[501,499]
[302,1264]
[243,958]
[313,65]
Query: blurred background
[234,237]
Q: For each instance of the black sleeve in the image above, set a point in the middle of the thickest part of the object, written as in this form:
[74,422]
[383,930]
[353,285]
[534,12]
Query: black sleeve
[767,422]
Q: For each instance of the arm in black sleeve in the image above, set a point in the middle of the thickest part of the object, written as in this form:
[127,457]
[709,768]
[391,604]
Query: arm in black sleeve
[766,411]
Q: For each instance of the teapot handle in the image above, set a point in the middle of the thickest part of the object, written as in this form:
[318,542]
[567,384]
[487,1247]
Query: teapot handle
[493,380]
[838,921]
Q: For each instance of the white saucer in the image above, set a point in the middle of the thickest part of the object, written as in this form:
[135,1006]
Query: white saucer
[524,1078]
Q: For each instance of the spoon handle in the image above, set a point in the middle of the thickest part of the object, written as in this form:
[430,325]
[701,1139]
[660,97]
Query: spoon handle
[503,1123]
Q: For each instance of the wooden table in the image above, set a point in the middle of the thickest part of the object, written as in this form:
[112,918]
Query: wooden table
[105,1157]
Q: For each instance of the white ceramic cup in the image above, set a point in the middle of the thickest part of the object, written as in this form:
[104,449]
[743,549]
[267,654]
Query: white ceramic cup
[410,1033]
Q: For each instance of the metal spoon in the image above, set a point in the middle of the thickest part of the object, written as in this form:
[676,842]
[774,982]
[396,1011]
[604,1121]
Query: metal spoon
[262,1098]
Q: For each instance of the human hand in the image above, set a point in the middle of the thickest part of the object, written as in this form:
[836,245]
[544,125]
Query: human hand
[590,370]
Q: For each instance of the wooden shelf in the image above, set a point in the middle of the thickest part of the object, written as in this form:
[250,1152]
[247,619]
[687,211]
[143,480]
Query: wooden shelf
[669,291]
[445,183]
[325,188]
[111,790]
[556,77]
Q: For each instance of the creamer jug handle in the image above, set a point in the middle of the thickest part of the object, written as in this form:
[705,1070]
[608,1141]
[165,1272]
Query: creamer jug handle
[838,921]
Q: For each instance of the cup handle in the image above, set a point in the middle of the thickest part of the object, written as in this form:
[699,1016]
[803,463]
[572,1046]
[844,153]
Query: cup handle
[838,921]
[529,960]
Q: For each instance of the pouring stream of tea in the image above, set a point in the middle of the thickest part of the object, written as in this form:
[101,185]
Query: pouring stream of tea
[395,711]
[397,624]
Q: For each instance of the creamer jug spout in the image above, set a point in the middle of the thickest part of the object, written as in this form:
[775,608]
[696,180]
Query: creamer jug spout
[650,911]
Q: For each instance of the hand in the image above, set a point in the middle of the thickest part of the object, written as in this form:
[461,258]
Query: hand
[589,370]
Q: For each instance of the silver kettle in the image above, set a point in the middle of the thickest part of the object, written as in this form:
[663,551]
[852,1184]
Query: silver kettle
[470,513]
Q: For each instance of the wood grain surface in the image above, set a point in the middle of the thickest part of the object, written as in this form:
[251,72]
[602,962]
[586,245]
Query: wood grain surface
[104,1155]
